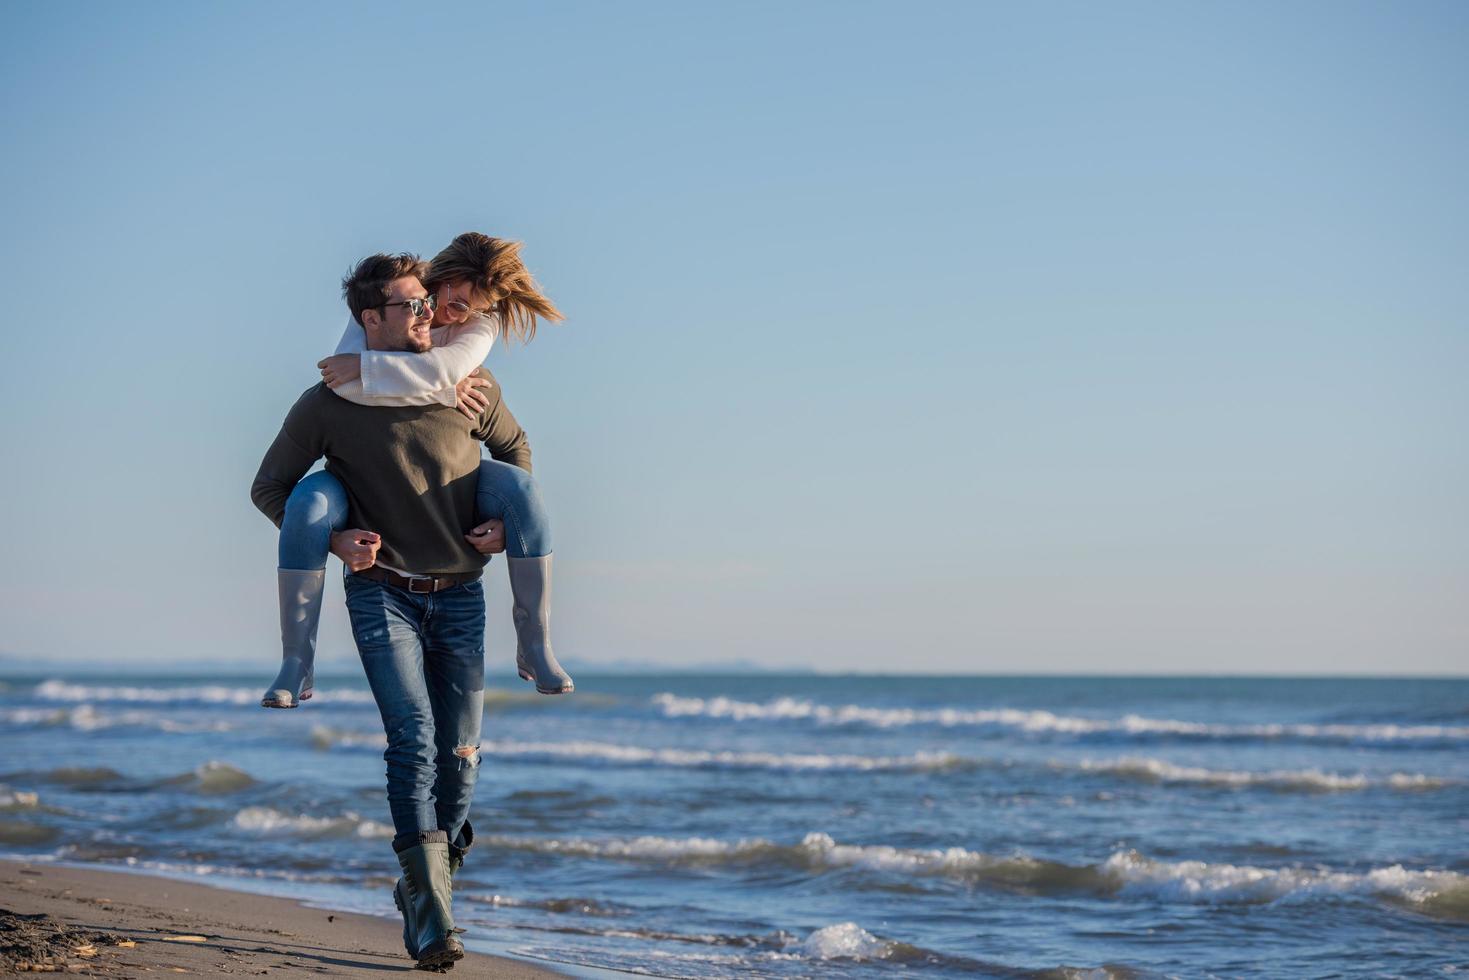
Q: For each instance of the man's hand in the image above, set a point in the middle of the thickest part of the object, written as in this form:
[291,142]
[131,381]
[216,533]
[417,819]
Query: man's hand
[357,548]
[488,538]
[340,368]
[470,401]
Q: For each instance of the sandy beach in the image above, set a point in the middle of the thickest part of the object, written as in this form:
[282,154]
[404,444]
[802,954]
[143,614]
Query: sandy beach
[107,923]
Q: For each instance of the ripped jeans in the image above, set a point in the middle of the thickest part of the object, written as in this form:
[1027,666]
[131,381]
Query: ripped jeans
[425,660]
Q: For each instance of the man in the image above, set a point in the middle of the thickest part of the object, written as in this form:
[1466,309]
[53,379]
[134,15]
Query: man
[414,595]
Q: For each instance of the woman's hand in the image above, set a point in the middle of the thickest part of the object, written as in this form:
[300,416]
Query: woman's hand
[340,368]
[467,399]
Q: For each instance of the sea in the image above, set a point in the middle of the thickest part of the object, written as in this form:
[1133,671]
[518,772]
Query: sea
[790,825]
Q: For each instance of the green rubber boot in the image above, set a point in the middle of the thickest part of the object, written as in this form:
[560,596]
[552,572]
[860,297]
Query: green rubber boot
[425,896]
[457,850]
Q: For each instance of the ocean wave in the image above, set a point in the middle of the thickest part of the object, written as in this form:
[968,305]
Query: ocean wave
[1130,767]
[55,690]
[849,941]
[210,778]
[841,941]
[1440,892]
[27,802]
[24,833]
[86,718]
[82,776]
[213,778]
[602,753]
[1300,780]
[575,906]
[1041,722]
[1124,874]
[325,737]
[499,699]
[274,823]
[270,872]
[12,800]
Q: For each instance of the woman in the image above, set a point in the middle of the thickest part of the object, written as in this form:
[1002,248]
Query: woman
[478,288]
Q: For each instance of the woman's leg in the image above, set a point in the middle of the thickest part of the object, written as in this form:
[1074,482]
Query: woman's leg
[511,494]
[316,508]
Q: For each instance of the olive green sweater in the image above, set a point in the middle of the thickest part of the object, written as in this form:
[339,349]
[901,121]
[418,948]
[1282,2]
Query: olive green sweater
[410,472]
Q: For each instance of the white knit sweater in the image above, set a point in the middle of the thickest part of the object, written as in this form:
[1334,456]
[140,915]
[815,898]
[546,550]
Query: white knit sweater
[406,378]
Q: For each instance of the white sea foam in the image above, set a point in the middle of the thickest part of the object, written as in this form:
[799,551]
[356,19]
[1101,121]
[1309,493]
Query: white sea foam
[821,851]
[1197,881]
[1128,767]
[655,848]
[16,799]
[56,690]
[1125,874]
[264,820]
[794,709]
[697,758]
[816,851]
[846,941]
[1309,780]
[87,718]
[637,755]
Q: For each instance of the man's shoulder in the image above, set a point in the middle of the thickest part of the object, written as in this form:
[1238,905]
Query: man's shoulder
[317,397]
[316,402]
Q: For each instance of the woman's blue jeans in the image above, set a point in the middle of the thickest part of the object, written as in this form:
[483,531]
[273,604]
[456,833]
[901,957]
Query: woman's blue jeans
[317,507]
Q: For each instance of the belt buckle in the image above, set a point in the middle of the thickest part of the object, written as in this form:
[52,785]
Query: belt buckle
[428,584]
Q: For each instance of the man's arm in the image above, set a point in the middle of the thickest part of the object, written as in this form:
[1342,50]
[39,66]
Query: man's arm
[295,450]
[499,431]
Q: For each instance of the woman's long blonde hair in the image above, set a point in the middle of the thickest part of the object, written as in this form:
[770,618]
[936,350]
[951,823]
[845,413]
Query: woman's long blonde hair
[497,278]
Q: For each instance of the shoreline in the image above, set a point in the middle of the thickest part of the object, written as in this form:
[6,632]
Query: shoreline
[71,919]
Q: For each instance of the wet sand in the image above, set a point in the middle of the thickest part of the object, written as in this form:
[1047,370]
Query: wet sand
[71,920]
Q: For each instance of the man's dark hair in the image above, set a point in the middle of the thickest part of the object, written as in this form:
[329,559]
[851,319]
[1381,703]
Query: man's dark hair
[366,287]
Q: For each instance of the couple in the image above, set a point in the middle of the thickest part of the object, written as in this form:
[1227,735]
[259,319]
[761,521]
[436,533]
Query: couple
[413,512]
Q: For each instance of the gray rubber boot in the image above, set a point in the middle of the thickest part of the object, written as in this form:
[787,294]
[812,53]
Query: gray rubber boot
[300,601]
[530,585]
[457,851]
[426,899]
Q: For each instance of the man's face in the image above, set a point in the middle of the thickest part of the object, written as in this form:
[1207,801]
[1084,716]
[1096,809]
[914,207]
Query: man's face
[395,327]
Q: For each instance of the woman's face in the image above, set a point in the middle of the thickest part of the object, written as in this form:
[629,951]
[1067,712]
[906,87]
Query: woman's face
[456,304]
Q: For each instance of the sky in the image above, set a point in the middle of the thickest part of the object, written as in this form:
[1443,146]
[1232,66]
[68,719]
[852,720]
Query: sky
[931,337]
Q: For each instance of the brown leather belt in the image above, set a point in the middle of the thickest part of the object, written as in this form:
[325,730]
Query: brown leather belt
[420,584]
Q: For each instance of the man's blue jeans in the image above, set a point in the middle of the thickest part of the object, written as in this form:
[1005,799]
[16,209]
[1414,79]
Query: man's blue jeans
[425,660]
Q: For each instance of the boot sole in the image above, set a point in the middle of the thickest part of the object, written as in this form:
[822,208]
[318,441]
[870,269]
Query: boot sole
[526,676]
[276,703]
[440,959]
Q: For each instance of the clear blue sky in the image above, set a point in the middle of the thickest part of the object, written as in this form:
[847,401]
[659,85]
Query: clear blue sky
[934,337]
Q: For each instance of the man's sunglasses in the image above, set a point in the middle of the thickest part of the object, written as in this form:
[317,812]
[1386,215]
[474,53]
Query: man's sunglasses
[418,305]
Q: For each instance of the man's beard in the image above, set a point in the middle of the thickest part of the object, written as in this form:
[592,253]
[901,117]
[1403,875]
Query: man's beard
[412,344]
